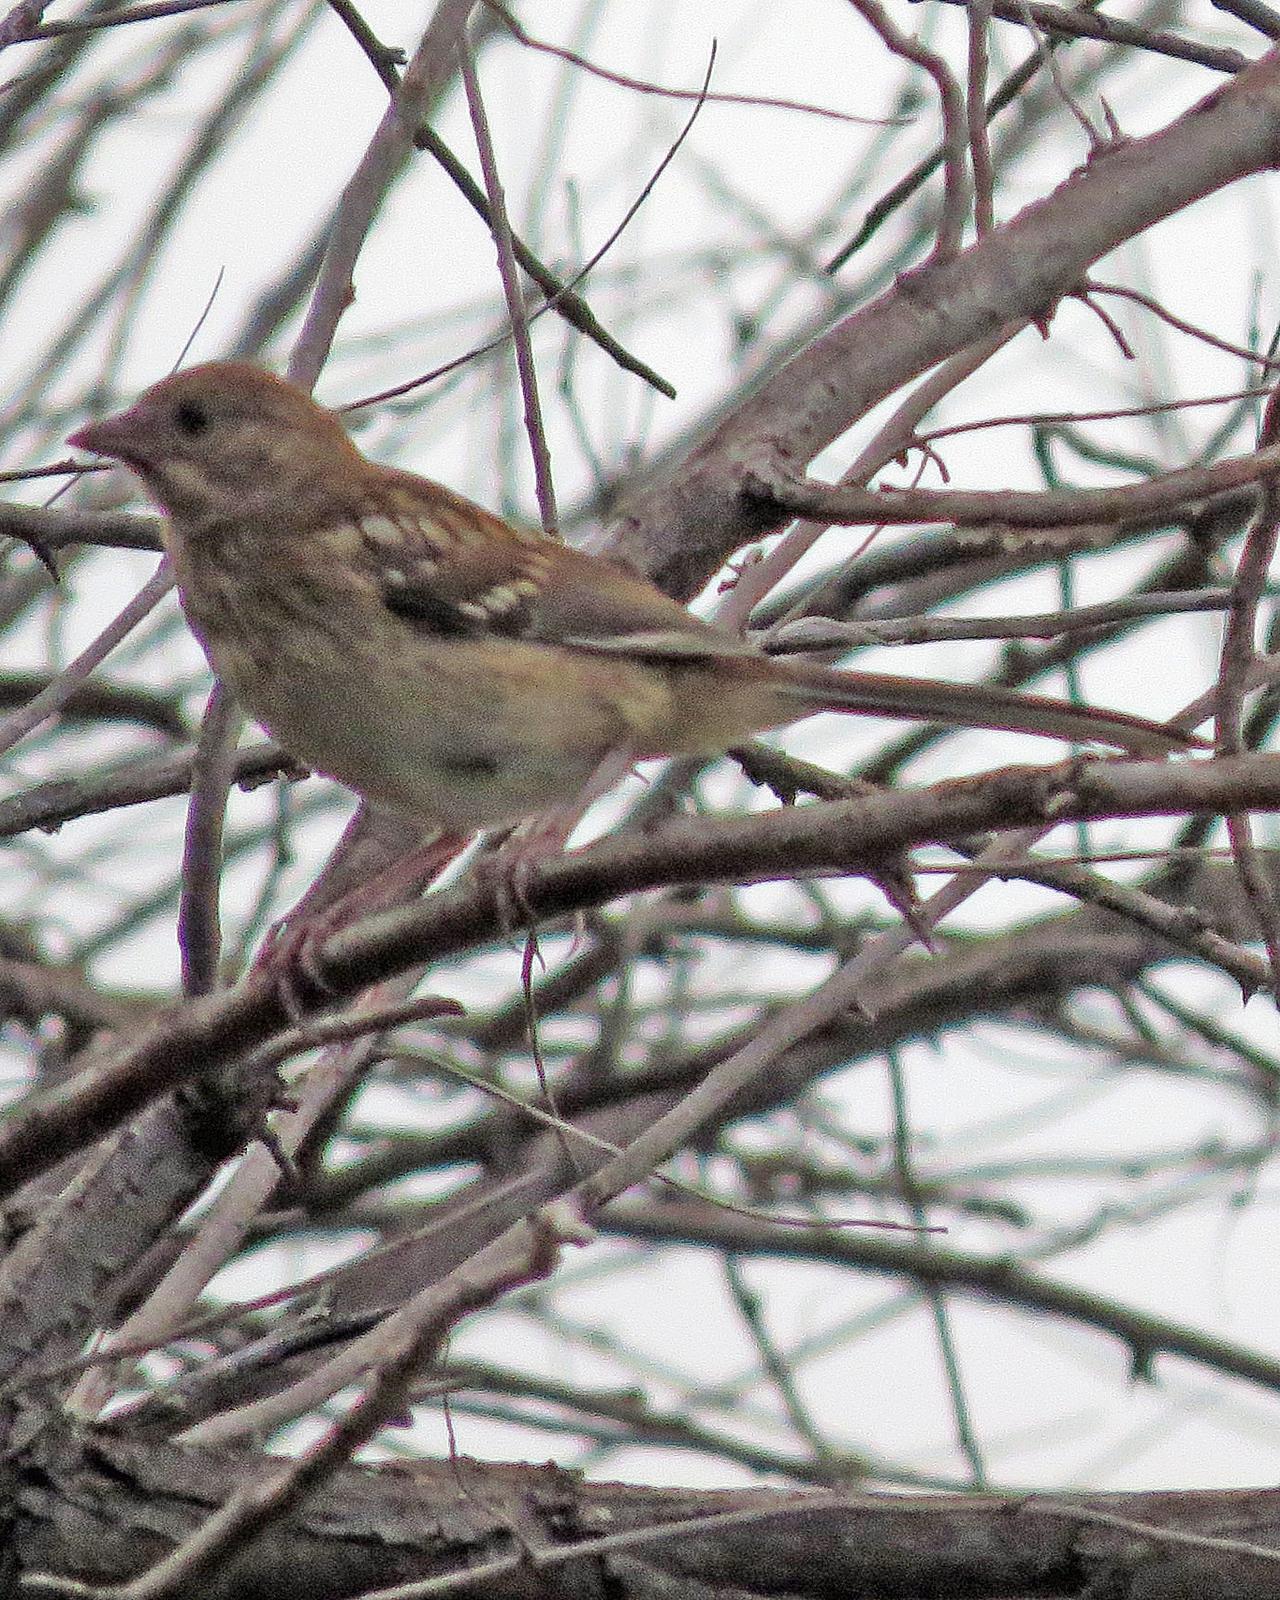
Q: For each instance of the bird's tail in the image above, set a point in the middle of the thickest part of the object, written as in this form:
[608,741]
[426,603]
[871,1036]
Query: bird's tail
[979,706]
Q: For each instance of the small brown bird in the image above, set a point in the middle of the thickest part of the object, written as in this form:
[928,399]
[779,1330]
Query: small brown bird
[430,656]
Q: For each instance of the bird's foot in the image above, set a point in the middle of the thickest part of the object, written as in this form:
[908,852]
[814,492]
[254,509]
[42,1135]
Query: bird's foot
[290,957]
[292,952]
[509,870]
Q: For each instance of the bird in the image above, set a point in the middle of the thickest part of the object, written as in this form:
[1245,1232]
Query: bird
[439,660]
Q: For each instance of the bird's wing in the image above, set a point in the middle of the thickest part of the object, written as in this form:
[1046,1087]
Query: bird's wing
[453,568]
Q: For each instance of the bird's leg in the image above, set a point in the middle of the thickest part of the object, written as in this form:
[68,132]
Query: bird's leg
[509,870]
[369,869]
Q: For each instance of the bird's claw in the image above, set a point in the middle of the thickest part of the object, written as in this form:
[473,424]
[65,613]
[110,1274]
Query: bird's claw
[291,950]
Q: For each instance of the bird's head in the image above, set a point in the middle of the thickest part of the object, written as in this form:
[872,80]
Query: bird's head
[224,439]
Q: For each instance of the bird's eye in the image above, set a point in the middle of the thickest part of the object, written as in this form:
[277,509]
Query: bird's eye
[191,418]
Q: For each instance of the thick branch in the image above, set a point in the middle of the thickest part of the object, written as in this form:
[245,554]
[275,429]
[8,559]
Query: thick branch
[841,837]
[683,526]
[104,1509]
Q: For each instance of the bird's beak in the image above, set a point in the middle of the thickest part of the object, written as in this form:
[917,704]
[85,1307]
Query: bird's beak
[113,436]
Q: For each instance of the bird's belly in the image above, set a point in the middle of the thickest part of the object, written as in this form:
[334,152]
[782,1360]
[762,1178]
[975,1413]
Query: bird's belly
[469,737]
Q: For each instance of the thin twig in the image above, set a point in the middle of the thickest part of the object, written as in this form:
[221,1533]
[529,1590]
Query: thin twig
[1025,15]
[904,1168]
[51,700]
[1014,508]
[516,308]
[113,19]
[976,116]
[212,776]
[643,86]
[955,183]
[1049,419]
[1076,23]
[1238,655]
[1150,303]
[566,289]
[823,633]
[379,167]
[559,296]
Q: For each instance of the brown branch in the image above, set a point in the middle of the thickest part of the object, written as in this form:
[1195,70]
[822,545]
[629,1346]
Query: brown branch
[18,724]
[60,800]
[955,180]
[683,525]
[1075,23]
[1254,13]
[821,633]
[995,1278]
[842,837]
[892,440]
[644,86]
[1238,658]
[778,491]
[212,776]
[370,1530]
[517,311]
[383,161]
[109,19]
[53,526]
[560,296]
